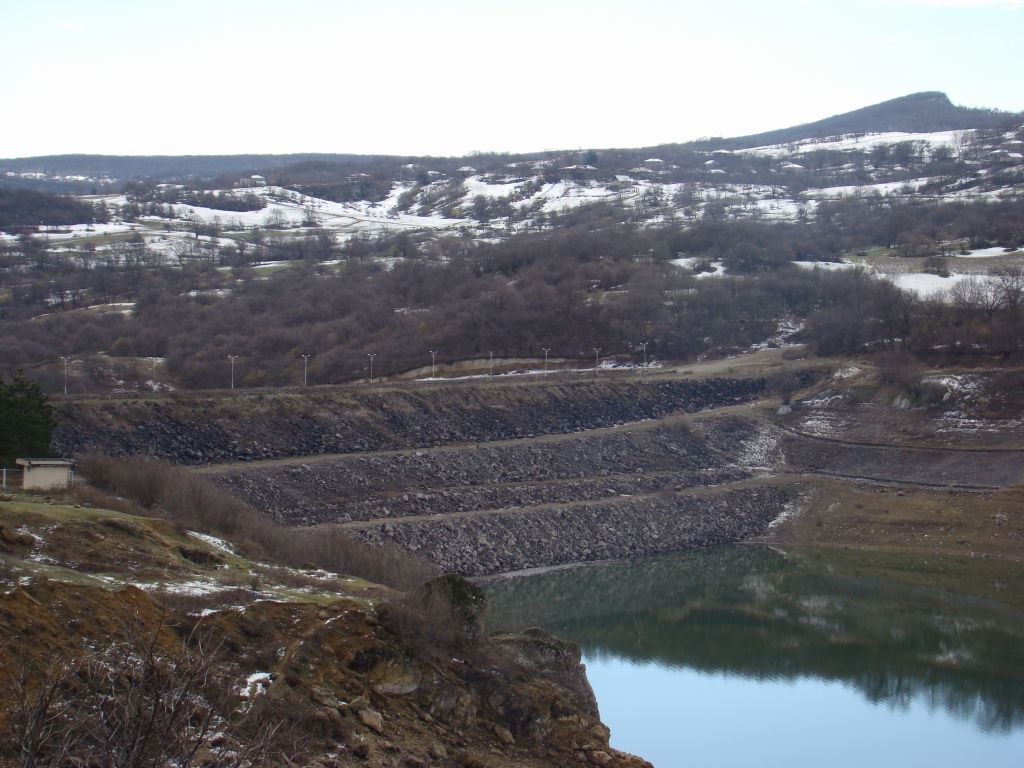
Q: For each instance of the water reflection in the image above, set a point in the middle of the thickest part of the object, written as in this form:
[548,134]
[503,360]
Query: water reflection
[764,614]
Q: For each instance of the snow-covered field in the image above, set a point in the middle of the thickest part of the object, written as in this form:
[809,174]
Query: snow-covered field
[885,188]
[853,141]
[986,253]
[932,286]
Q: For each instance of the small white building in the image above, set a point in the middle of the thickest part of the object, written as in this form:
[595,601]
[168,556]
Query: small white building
[46,474]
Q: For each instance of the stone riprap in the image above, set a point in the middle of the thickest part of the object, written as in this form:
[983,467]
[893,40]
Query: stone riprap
[490,476]
[488,543]
[201,429]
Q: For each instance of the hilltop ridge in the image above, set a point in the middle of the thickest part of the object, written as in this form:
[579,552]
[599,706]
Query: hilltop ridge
[923,112]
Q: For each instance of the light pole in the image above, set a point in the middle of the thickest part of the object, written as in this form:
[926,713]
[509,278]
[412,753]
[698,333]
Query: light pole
[232,358]
[433,364]
[546,350]
[371,355]
[643,346]
[66,360]
[597,359]
[490,363]
[305,370]
[153,377]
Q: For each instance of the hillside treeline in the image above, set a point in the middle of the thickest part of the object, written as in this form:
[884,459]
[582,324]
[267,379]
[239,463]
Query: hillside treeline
[26,208]
[588,284]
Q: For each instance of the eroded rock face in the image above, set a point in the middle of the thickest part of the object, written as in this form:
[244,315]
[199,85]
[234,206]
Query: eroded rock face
[515,700]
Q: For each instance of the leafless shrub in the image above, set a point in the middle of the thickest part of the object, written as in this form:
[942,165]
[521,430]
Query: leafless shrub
[296,579]
[899,369]
[131,704]
[335,550]
[684,424]
[902,371]
[38,714]
[784,384]
[440,614]
[91,496]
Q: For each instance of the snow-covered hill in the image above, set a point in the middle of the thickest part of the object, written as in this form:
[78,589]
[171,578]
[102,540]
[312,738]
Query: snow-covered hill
[494,196]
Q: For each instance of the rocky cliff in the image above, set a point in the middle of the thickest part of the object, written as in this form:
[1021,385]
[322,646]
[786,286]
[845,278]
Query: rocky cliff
[120,614]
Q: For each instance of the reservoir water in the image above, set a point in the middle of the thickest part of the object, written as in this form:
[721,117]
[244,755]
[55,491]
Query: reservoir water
[751,655]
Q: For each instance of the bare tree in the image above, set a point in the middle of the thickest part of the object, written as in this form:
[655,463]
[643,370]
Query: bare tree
[962,144]
[1010,287]
[131,705]
[39,713]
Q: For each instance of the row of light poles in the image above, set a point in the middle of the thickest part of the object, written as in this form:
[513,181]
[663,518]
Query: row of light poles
[371,355]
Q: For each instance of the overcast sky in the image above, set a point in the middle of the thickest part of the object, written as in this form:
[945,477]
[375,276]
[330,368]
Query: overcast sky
[452,77]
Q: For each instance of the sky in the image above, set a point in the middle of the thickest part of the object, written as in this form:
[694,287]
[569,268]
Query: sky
[452,77]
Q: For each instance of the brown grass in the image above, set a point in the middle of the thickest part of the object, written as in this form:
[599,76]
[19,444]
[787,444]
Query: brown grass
[973,526]
[185,498]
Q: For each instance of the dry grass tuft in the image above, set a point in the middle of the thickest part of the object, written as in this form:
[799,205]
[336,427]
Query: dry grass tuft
[160,489]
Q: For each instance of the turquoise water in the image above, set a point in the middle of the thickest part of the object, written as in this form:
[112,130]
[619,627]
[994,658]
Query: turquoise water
[750,656]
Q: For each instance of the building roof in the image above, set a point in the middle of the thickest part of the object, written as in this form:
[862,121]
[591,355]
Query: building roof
[45,462]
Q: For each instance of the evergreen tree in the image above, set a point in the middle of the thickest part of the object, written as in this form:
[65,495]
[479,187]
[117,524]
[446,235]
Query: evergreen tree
[27,420]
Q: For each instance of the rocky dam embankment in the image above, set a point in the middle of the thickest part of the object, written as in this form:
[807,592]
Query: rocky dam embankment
[640,458]
[503,541]
[637,490]
[478,478]
[208,428]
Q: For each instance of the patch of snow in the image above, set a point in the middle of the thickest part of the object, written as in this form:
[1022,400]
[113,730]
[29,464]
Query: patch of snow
[213,541]
[830,266]
[475,187]
[820,425]
[718,270]
[852,142]
[789,510]
[191,588]
[884,188]
[846,373]
[217,293]
[956,422]
[985,253]
[759,453]
[255,684]
[931,286]
[780,209]
[689,262]
[955,383]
